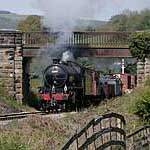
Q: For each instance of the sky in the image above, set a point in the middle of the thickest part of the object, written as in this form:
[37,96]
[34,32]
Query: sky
[108,7]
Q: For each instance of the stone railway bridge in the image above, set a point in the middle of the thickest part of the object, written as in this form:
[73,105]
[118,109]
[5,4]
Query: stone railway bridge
[17,48]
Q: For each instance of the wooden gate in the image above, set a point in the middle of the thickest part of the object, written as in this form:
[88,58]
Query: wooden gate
[103,132]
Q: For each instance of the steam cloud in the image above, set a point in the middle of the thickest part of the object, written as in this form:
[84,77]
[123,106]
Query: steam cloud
[67,56]
[63,15]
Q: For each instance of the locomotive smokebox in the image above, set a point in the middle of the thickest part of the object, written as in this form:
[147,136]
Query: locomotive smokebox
[56,61]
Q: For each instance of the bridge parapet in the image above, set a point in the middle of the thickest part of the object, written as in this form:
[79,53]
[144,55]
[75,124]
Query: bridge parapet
[81,39]
[10,37]
[38,39]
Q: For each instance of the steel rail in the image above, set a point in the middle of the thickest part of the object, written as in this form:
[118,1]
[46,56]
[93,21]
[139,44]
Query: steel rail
[19,115]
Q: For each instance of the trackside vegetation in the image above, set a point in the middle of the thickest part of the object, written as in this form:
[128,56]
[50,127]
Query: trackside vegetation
[140,44]
[142,107]
[51,133]
[8,104]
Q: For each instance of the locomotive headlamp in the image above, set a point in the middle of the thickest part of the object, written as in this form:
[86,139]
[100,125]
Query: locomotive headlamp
[53,89]
[65,88]
[11,75]
[41,92]
[56,61]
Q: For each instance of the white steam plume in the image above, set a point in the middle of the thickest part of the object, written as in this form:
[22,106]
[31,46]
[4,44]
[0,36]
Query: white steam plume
[63,15]
[67,56]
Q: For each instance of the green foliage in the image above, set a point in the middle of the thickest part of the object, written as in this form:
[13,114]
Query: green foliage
[31,23]
[88,25]
[140,44]
[12,104]
[129,21]
[85,62]
[142,106]
[119,22]
[147,81]
[131,69]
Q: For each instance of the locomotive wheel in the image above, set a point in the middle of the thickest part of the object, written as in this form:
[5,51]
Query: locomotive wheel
[68,107]
[44,106]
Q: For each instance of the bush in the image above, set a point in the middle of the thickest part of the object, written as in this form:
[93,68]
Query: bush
[142,106]
[140,44]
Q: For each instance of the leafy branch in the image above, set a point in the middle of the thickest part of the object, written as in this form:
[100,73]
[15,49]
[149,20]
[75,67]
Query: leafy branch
[139,44]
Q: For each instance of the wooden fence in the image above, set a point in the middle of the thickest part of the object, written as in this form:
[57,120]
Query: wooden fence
[107,131]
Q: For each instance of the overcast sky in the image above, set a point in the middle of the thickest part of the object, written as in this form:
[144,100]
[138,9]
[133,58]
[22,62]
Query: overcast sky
[109,7]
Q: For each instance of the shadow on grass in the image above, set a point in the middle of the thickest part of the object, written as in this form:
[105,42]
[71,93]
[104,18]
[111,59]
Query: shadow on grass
[33,101]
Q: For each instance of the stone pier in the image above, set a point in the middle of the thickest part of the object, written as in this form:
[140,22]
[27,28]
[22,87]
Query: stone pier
[140,72]
[147,68]
[11,68]
[143,71]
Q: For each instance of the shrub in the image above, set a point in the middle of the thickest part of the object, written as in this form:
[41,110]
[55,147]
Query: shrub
[142,106]
[139,44]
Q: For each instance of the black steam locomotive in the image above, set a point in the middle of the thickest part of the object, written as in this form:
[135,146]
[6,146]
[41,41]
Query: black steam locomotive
[63,86]
[68,86]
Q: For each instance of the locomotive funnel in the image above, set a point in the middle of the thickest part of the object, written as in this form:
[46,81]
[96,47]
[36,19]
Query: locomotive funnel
[56,61]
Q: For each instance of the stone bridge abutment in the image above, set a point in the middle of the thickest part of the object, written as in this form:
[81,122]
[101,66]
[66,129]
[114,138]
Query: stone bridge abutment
[143,71]
[11,67]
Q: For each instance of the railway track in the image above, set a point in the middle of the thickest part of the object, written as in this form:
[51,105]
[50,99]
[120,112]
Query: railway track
[19,115]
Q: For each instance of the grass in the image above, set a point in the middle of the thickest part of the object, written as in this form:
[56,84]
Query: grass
[34,133]
[13,142]
[35,83]
[127,106]
[13,105]
[10,103]
[51,133]
[34,99]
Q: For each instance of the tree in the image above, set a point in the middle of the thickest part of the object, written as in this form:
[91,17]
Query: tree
[85,62]
[145,22]
[129,21]
[31,23]
[119,22]
[131,69]
[140,44]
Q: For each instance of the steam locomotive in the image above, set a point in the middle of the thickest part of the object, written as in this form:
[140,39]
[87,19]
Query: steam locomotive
[69,86]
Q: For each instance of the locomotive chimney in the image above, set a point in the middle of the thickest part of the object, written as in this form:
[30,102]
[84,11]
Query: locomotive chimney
[56,61]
